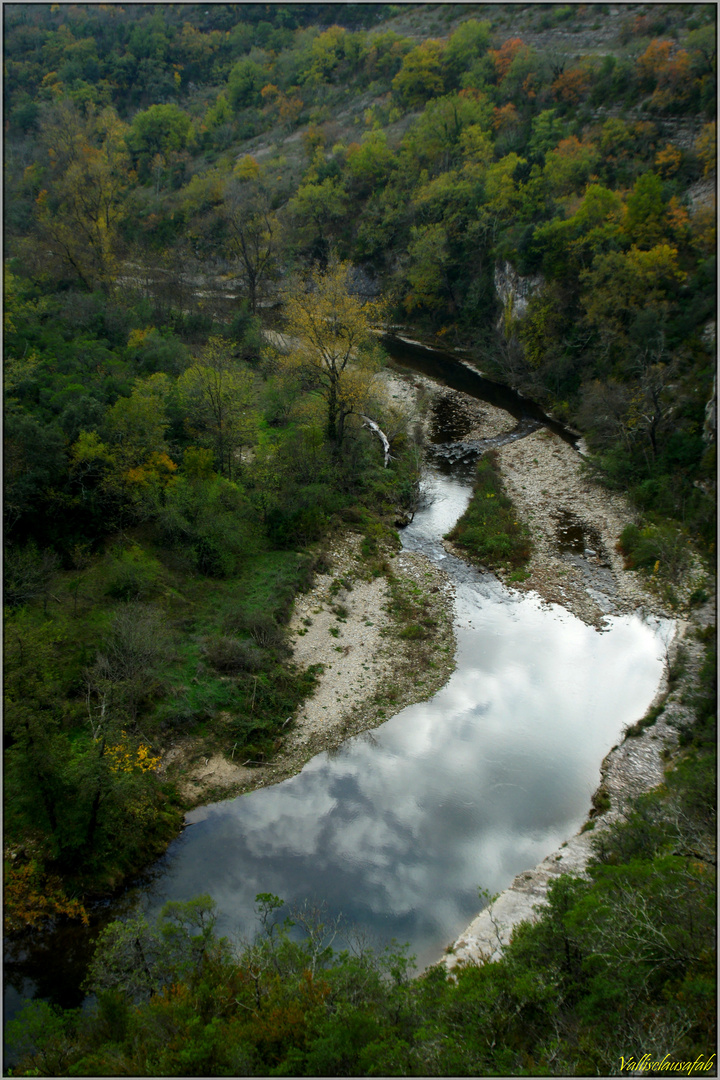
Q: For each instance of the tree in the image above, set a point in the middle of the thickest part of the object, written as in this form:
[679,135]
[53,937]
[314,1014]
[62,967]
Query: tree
[137,960]
[125,669]
[253,234]
[333,344]
[466,44]
[428,272]
[645,217]
[79,214]
[371,161]
[158,133]
[421,75]
[435,141]
[137,424]
[568,167]
[34,461]
[245,83]
[503,57]
[706,148]
[317,209]
[217,391]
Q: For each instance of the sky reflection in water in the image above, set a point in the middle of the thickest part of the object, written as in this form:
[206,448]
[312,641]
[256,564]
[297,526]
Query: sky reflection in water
[399,828]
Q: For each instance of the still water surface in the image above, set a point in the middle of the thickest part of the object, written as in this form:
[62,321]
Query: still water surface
[399,828]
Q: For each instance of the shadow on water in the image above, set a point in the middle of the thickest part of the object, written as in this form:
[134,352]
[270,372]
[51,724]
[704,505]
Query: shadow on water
[448,369]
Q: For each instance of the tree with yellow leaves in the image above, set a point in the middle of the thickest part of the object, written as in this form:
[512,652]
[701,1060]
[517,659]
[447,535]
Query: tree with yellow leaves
[79,214]
[332,343]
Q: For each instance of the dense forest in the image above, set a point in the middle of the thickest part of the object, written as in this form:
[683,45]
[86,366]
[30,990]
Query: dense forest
[209,212]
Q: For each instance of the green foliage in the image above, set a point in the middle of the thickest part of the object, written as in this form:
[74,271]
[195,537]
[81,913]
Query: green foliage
[662,549]
[420,76]
[465,45]
[644,722]
[489,529]
[158,131]
[629,946]
[246,80]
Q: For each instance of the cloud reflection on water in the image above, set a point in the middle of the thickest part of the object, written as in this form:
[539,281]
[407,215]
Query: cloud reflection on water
[466,790]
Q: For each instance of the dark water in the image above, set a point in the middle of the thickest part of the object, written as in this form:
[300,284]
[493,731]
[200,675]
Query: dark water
[453,372]
[575,537]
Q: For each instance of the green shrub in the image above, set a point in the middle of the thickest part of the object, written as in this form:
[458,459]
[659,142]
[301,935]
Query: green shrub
[662,549]
[646,721]
[133,575]
[230,655]
[260,626]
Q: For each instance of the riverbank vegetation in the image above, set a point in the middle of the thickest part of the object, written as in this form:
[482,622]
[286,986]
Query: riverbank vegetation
[186,186]
[489,530]
[150,576]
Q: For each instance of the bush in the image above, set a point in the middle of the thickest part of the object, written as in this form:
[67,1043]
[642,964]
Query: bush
[229,655]
[134,576]
[304,515]
[261,627]
[659,548]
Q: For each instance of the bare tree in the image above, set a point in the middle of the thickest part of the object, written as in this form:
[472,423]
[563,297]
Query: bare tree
[125,667]
[253,236]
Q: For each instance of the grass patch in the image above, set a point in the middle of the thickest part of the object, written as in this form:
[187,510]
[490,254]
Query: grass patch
[600,801]
[411,607]
[636,729]
[490,529]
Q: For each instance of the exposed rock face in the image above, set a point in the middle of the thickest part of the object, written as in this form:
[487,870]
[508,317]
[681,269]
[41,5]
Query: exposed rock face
[515,290]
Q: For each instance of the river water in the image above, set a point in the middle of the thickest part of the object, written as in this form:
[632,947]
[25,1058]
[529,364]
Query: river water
[400,828]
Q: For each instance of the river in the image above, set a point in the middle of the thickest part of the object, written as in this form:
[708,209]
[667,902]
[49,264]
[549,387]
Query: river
[400,828]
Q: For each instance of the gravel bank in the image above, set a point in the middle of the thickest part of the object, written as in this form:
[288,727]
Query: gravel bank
[576,527]
[370,671]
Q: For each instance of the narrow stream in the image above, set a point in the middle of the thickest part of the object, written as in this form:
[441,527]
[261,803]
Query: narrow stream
[399,828]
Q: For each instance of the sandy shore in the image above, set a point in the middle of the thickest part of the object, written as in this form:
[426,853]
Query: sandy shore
[346,623]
